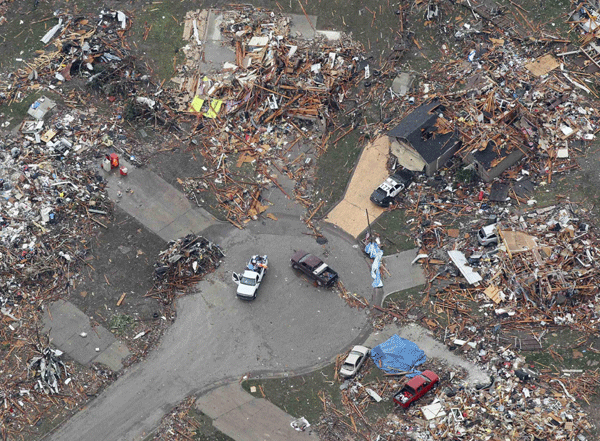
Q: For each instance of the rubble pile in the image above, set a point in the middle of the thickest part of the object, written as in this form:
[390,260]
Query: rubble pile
[281,91]
[511,103]
[177,424]
[182,265]
[48,369]
[35,379]
[542,274]
[90,47]
[52,200]
[517,401]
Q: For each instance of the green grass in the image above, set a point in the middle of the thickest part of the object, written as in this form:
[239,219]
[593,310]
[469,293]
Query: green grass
[393,231]
[21,40]
[334,170]
[162,47]
[551,14]
[299,396]
[406,297]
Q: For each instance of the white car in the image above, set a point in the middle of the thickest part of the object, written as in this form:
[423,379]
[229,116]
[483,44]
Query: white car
[354,361]
[249,281]
[488,235]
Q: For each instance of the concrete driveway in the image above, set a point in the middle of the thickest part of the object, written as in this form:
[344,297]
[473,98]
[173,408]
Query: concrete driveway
[291,327]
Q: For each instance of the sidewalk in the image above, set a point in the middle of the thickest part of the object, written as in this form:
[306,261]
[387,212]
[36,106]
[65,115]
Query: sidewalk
[156,204]
[66,323]
[244,417]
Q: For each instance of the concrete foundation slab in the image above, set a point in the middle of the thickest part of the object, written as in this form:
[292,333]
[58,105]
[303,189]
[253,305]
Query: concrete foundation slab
[66,323]
[244,417]
[303,27]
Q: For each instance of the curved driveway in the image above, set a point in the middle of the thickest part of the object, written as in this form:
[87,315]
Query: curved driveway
[292,326]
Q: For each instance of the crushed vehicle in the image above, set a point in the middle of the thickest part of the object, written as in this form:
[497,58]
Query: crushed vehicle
[314,268]
[354,361]
[384,194]
[488,235]
[249,282]
[415,388]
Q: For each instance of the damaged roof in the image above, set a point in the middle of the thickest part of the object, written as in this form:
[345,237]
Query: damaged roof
[490,156]
[419,128]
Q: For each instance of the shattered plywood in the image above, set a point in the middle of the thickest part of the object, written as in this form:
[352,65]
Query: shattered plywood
[543,65]
[517,241]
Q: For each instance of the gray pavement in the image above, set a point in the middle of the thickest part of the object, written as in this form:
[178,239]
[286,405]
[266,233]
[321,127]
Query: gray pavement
[401,274]
[217,338]
[244,417]
[66,324]
[290,328]
[159,206]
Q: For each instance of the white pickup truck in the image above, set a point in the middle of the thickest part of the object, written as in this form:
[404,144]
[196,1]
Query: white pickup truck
[249,281]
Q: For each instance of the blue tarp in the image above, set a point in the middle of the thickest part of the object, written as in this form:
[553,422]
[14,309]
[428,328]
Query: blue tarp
[398,355]
[375,253]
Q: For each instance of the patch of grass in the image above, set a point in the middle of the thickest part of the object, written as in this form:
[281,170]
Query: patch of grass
[299,396]
[21,40]
[162,47]
[334,170]
[552,14]
[121,323]
[565,343]
[408,296]
[393,231]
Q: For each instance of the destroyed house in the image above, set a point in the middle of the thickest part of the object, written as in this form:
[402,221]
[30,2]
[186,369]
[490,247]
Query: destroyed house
[491,157]
[424,140]
[492,161]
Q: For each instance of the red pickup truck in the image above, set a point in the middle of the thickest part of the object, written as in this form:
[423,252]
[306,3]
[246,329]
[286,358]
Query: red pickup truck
[415,388]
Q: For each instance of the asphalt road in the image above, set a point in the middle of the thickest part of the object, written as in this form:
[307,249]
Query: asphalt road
[291,327]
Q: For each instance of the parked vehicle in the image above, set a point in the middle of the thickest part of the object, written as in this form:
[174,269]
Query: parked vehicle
[249,282]
[488,235]
[384,194]
[354,361]
[314,268]
[415,388]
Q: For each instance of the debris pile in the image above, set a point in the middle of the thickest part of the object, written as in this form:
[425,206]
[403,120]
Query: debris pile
[543,273]
[516,401]
[52,197]
[182,265]
[278,91]
[178,424]
[89,47]
[48,369]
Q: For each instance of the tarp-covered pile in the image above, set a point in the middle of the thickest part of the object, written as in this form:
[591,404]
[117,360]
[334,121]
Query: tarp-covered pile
[397,355]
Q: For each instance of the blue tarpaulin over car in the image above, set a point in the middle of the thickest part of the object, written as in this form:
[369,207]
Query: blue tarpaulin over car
[398,355]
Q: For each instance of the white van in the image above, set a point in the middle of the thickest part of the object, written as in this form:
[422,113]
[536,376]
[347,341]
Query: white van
[488,235]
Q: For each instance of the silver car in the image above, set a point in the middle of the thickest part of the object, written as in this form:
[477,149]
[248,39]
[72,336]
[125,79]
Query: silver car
[354,361]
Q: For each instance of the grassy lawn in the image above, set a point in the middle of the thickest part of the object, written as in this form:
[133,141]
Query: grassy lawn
[164,40]
[301,396]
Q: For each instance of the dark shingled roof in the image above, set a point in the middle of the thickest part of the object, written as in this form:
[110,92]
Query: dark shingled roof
[420,121]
